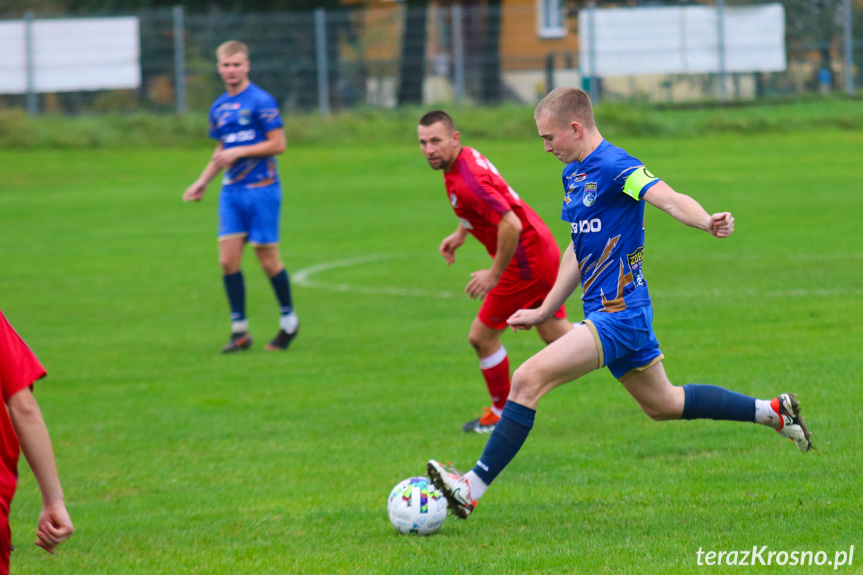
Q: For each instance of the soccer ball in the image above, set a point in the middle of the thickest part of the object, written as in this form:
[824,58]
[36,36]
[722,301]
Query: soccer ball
[416,506]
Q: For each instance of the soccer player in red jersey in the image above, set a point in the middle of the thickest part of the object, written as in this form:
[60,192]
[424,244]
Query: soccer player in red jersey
[524,253]
[23,429]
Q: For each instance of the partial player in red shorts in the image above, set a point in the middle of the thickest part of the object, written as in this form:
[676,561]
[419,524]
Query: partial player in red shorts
[23,429]
[525,256]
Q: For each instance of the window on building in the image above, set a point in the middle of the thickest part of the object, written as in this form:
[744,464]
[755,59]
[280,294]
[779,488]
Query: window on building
[550,18]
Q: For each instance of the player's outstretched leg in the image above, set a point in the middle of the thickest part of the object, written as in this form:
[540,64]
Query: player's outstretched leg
[781,413]
[792,425]
[454,487]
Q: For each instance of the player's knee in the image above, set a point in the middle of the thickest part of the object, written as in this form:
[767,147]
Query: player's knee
[229,266]
[272,268]
[659,413]
[526,384]
[483,345]
[475,342]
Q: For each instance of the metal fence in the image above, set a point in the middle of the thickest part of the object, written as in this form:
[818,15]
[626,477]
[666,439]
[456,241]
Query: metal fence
[386,57]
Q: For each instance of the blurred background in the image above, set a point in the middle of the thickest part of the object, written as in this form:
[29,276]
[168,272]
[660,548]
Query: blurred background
[70,57]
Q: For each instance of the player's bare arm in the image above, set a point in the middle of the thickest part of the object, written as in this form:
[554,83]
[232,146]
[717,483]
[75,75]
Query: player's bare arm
[508,233]
[568,279]
[688,211]
[273,146]
[196,191]
[451,243]
[54,525]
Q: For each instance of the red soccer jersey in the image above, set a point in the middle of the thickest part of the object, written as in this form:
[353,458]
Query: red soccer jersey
[19,368]
[480,197]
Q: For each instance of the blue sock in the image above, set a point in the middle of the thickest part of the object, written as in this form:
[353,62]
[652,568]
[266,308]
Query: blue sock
[713,402]
[507,438]
[282,287]
[235,287]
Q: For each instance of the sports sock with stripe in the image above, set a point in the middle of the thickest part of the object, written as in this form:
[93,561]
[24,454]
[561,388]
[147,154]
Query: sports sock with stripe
[235,289]
[282,288]
[508,436]
[495,371]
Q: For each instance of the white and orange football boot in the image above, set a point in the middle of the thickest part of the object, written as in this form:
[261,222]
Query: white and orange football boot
[793,426]
[454,487]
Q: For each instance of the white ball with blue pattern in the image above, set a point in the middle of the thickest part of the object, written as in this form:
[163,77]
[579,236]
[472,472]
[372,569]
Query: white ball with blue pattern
[416,506]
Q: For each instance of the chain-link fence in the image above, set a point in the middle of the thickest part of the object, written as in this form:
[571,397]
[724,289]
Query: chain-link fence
[164,61]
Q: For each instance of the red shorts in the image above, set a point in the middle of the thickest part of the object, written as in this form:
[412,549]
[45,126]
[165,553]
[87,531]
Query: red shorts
[509,296]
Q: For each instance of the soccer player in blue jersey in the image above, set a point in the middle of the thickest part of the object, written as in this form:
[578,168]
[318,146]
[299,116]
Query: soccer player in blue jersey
[246,122]
[605,190]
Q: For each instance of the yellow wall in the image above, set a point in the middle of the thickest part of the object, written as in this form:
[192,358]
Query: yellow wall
[521,45]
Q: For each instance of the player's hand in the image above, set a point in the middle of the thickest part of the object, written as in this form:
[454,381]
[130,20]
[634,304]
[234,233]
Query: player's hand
[194,193]
[721,225]
[482,282]
[448,247]
[54,527]
[225,157]
[525,319]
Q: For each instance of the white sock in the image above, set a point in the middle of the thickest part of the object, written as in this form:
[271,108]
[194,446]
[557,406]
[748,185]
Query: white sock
[476,485]
[289,322]
[241,326]
[494,359]
[765,415]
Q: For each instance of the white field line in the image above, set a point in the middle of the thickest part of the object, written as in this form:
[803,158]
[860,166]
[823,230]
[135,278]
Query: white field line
[303,278]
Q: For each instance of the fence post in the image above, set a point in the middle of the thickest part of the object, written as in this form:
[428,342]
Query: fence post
[321,54]
[849,50]
[179,60]
[591,53]
[458,52]
[29,54]
[720,46]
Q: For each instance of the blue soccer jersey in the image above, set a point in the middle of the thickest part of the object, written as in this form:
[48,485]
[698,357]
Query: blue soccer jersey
[603,205]
[243,120]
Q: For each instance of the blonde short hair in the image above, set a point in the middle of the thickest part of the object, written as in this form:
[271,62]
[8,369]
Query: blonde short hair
[565,105]
[231,48]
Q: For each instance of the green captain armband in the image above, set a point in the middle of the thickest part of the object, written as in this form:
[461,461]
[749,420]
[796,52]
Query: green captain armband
[636,181]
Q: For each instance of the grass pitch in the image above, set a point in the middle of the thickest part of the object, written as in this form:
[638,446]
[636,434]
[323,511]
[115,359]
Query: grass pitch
[176,459]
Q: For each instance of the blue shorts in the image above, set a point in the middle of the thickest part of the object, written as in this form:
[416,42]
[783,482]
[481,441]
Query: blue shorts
[250,212]
[625,340]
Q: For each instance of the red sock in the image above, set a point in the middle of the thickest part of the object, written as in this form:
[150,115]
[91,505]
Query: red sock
[495,370]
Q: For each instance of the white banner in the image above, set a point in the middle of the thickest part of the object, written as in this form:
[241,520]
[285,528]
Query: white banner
[71,55]
[680,40]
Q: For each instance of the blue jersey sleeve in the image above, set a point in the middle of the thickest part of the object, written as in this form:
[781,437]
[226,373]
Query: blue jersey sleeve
[267,114]
[211,120]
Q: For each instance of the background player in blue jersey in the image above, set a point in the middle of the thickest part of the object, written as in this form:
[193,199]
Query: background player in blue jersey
[246,122]
[604,194]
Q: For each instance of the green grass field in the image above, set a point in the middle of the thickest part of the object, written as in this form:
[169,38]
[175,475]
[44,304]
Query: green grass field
[176,459]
